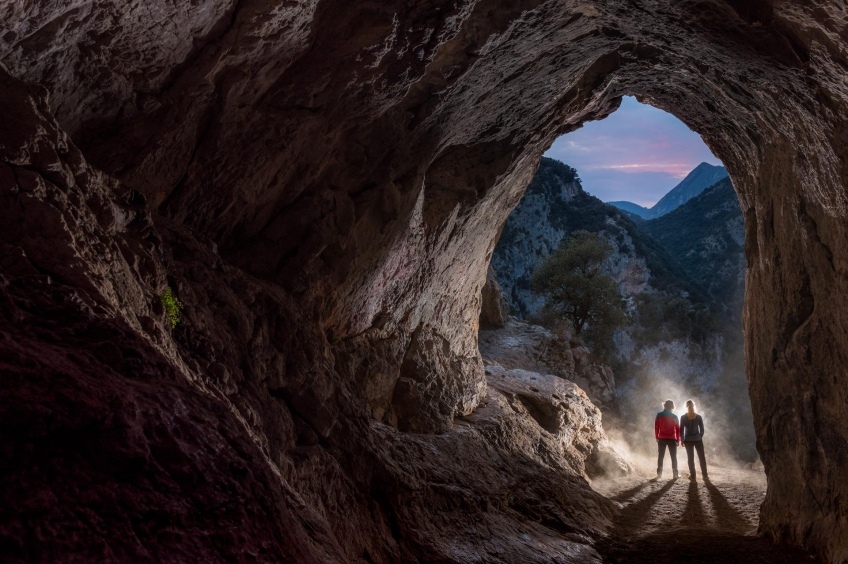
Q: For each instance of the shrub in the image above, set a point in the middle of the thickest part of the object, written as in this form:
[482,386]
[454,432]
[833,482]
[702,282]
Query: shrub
[173,306]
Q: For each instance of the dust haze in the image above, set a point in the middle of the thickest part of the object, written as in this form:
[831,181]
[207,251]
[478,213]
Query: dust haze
[724,405]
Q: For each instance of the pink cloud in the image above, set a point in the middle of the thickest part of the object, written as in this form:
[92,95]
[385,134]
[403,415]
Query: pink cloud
[638,146]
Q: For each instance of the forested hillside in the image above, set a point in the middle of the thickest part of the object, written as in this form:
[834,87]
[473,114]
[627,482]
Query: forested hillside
[706,237]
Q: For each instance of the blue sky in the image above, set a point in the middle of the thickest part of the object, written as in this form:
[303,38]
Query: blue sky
[638,153]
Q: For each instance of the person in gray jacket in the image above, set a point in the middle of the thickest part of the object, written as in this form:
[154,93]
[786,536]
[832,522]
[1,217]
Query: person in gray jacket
[692,434]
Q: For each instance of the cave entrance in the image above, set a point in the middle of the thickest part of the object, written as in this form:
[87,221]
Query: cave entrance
[663,208]
[638,205]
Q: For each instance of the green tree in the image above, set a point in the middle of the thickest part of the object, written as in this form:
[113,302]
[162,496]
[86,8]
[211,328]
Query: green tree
[575,288]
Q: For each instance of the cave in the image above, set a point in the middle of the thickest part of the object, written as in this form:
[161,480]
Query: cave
[321,185]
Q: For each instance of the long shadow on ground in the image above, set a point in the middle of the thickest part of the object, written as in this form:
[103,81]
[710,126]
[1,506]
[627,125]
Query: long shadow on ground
[633,515]
[726,514]
[690,538]
[707,546]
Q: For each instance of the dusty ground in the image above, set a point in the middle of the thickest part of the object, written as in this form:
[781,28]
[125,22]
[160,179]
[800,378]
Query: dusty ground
[693,522]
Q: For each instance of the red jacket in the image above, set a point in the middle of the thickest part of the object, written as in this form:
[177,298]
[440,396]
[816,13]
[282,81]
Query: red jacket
[667,426]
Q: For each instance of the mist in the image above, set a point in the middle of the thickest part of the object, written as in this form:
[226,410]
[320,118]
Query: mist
[729,438]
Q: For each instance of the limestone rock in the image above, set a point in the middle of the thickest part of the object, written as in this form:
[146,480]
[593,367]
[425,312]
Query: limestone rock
[344,168]
[562,410]
[494,308]
[520,345]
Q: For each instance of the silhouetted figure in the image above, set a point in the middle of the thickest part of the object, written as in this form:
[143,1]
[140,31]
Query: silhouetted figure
[667,432]
[692,433]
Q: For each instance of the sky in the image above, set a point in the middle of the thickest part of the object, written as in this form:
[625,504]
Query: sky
[637,154]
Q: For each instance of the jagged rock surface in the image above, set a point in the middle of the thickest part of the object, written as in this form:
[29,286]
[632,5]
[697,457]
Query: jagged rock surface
[523,346]
[494,307]
[359,160]
[205,442]
[532,232]
[564,411]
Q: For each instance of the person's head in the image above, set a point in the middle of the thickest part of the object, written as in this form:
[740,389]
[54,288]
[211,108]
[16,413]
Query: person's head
[669,405]
[690,406]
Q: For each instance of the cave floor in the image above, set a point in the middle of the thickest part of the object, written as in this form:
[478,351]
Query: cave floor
[693,522]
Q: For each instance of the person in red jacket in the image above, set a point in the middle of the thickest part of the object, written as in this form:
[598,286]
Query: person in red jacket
[667,433]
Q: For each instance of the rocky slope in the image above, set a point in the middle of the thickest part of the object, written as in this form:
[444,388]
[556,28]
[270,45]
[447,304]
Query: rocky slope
[640,264]
[532,232]
[524,346]
[706,236]
[334,175]
[556,205]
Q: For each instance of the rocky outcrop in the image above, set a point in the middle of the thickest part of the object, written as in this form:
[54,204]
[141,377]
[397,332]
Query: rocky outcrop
[564,411]
[532,232]
[494,308]
[539,369]
[554,206]
[523,346]
[347,166]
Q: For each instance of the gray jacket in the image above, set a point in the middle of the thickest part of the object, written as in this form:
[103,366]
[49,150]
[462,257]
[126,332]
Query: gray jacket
[691,429]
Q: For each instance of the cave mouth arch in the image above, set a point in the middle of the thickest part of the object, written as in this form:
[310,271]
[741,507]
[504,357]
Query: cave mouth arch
[361,160]
[678,266]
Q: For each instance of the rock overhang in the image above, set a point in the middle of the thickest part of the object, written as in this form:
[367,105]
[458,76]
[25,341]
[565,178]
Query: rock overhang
[364,159]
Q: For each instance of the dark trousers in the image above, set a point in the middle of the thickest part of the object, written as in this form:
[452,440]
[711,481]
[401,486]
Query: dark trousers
[691,447]
[662,444]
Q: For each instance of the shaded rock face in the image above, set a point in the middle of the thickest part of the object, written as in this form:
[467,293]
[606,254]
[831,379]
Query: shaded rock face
[494,308]
[230,436]
[332,177]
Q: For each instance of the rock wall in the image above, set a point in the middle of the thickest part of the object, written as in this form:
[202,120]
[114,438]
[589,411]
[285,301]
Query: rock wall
[532,232]
[494,307]
[356,162]
[230,436]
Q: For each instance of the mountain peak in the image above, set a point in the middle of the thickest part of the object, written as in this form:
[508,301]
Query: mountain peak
[699,179]
[702,177]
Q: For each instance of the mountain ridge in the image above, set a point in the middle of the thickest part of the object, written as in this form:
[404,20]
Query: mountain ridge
[706,236]
[699,179]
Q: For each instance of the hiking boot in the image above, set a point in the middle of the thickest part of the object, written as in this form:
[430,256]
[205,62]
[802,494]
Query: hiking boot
[675,475]
[659,474]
